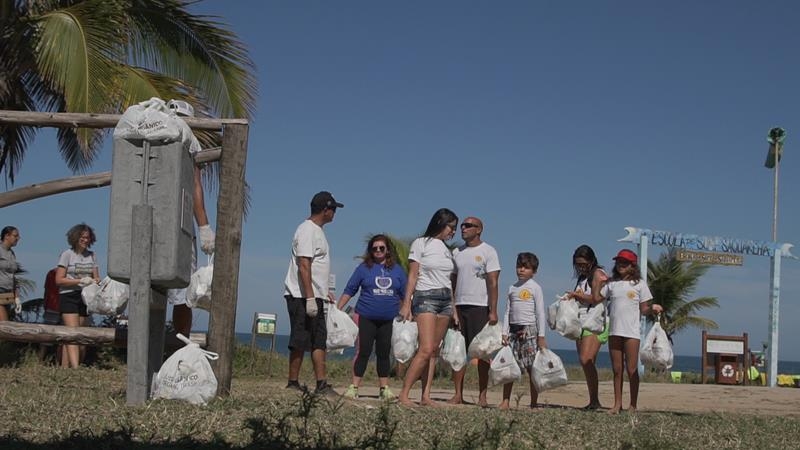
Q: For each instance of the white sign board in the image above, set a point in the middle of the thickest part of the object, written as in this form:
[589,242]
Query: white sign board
[732,347]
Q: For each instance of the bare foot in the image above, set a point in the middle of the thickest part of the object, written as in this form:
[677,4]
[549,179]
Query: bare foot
[406,402]
[429,402]
[615,410]
[482,402]
[592,407]
[456,401]
[631,409]
[535,407]
[503,405]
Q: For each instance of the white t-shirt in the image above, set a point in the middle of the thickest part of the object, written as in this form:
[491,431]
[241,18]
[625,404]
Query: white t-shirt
[435,263]
[77,266]
[472,265]
[525,306]
[309,241]
[624,298]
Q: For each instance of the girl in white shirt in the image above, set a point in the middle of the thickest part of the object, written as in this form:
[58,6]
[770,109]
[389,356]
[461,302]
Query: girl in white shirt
[628,297]
[429,297]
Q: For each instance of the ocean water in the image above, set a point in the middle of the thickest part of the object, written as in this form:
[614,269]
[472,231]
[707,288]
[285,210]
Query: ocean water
[681,363]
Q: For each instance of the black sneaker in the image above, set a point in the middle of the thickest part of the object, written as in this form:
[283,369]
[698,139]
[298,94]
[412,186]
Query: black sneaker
[295,386]
[326,390]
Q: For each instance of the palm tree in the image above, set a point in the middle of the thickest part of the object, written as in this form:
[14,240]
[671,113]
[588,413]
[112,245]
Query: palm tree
[672,283]
[101,56]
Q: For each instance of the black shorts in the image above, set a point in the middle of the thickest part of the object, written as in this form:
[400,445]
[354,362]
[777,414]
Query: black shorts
[472,319]
[72,303]
[306,333]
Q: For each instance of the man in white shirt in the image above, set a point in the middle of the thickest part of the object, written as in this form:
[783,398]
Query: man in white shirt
[306,288]
[475,284]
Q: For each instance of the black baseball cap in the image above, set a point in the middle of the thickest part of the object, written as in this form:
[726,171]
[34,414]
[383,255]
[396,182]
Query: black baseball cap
[324,199]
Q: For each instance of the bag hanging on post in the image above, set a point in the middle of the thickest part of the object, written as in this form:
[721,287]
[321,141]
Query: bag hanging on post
[504,368]
[186,375]
[486,342]
[548,371]
[110,297]
[404,340]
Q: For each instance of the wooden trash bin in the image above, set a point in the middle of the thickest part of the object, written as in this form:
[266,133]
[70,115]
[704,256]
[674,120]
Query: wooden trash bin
[727,369]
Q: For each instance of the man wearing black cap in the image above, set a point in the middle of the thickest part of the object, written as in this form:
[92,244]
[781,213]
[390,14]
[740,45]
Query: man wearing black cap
[306,287]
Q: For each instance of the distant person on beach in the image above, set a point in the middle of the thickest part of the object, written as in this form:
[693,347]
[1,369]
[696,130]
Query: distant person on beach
[524,322]
[475,284]
[306,288]
[77,268]
[382,283]
[181,312]
[9,238]
[591,277]
[628,297]
[429,298]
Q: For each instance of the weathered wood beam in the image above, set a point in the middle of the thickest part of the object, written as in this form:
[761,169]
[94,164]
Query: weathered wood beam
[88,120]
[225,281]
[37,333]
[81,182]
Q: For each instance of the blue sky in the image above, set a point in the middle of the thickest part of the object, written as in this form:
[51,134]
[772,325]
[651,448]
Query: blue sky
[557,123]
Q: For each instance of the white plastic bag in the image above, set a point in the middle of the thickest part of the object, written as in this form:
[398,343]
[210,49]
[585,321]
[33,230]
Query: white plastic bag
[486,342]
[656,351]
[198,294]
[342,331]
[110,297]
[593,318]
[548,371]
[404,340]
[151,120]
[454,349]
[552,313]
[186,375]
[504,368]
[568,324]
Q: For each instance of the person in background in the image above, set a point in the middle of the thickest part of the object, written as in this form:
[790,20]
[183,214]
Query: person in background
[524,323]
[382,283]
[306,288]
[9,238]
[77,268]
[181,312]
[475,284]
[430,264]
[628,297]
[591,277]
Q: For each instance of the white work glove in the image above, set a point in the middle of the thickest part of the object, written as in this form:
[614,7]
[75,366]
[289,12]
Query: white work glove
[17,305]
[311,307]
[206,239]
[85,281]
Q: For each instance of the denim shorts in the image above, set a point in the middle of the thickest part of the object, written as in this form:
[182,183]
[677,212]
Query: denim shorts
[434,301]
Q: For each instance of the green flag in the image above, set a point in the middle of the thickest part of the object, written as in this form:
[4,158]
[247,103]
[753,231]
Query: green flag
[775,139]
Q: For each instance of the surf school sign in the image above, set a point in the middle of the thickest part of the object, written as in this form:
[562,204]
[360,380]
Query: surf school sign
[643,237]
[707,243]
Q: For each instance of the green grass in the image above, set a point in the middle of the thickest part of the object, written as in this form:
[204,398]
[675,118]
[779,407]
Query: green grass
[44,407]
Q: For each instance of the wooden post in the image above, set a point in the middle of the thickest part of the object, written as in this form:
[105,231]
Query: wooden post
[146,311]
[225,282]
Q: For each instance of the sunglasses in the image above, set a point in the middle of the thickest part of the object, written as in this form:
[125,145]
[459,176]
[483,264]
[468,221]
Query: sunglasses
[623,263]
[379,248]
[468,225]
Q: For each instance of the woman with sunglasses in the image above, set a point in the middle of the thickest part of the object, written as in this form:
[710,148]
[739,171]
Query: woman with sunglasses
[628,297]
[430,264]
[591,277]
[382,282]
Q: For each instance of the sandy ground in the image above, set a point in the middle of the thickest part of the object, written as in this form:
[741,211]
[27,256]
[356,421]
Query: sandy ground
[683,398]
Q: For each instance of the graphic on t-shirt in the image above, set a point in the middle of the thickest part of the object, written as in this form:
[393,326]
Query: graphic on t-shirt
[478,259]
[525,294]
[631,295]
[383,282]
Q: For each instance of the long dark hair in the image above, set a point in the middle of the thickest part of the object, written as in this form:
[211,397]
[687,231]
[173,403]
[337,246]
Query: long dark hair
[585,252]
[439,220]
[390,253]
